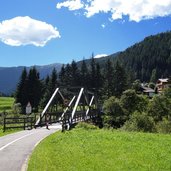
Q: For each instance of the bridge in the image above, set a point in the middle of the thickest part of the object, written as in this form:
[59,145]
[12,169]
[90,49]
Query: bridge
[68,106]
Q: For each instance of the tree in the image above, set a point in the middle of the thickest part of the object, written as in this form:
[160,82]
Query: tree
[75,76]
[84,75]
[140,121]
[159,107]
[136,85]
[53,81]
[108,79]
[62,76]
[114,115]
[131,102]
[68,75]
[119,80]
[34,88]
[46,94]
[92,72]
[153,78]
[21,95]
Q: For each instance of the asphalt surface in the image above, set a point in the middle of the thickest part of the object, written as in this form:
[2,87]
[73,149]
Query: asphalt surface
[16,148]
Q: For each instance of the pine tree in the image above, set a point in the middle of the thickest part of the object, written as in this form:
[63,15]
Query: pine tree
[52,86]
[98,78]
[84,75]
[62,74]
[68,75]
[46,94]
[108,79]
[92,72]
[75,76]
[21,95]
[34,88]
[119,80]
[153,78]
[53,81]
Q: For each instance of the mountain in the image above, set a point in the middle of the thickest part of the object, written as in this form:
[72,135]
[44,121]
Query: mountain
[150,57]
[9,76]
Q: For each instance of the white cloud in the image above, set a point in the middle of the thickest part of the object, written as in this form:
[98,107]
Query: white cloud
[137,10]
[71,5]
[25,30]
[100,55]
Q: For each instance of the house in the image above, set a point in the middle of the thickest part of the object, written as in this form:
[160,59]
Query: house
[147,91]
[163,83]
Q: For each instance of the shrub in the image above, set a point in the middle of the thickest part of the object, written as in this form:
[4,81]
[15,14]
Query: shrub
[164,126]
[159,107]
[17,109]
[86,126]
[140,121]
[131,102]
[167,92]
[114,115]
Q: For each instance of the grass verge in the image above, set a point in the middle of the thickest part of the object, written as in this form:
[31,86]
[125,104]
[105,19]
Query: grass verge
[102,150]
[9,131]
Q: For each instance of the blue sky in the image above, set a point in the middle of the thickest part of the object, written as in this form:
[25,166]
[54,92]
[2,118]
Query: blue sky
[40,32]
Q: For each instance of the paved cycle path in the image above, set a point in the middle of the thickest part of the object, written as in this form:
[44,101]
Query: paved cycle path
[16,148]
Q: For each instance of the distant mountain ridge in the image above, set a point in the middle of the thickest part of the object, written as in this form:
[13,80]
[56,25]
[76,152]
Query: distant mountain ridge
[9,76]
[150,56]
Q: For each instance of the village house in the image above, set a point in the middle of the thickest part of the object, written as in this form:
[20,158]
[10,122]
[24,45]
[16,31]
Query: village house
[147,90]
[163,83]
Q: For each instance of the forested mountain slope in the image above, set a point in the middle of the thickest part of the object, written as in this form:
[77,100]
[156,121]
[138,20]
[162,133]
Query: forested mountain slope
[152,56]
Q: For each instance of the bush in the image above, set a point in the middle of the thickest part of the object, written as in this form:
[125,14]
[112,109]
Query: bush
[131,102]
[164,126]
[140,122]
[17,109]
[114,115]
[167,92]
[159,107]
[86,126]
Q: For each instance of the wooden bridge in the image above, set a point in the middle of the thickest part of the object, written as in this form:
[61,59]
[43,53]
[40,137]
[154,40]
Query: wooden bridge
[72,105]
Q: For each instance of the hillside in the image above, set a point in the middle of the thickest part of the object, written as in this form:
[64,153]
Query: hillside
[9,76]
[152,55]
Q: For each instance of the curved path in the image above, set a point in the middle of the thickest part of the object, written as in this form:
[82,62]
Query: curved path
[16,148]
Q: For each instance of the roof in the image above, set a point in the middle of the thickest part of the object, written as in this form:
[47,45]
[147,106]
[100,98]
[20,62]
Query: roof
[147,90]
[164,80]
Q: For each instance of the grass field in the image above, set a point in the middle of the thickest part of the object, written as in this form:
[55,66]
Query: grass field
[102,150]
[6,104]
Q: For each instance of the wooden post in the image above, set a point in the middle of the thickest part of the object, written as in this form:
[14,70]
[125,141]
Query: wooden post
[4,128]
[31,122]
[24,123]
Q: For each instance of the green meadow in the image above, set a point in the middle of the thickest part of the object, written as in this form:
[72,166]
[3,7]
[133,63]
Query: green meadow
[102,150]
[6,104]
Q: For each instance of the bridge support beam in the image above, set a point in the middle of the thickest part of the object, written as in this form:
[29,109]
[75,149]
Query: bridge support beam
[46,107]
[76,104]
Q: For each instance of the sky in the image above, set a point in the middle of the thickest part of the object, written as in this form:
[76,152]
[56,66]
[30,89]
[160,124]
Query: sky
[42,32]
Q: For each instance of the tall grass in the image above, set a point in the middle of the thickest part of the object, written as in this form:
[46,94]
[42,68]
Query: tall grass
[102,150]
